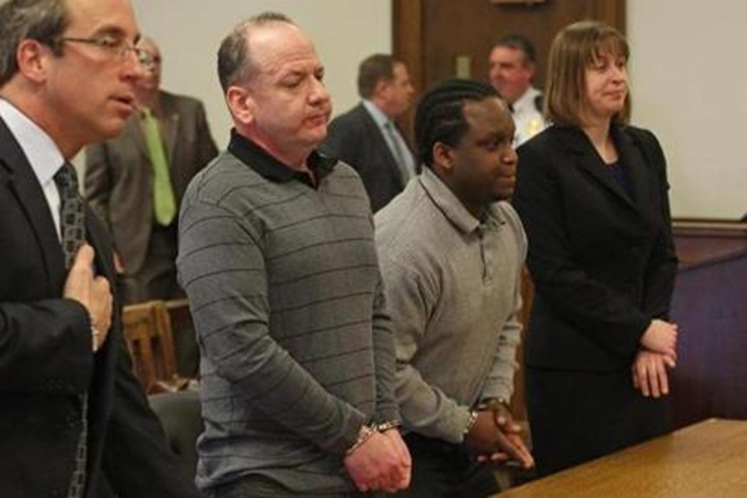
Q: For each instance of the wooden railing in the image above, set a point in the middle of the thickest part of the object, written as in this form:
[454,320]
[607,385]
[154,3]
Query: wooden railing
[700,240]
[709,306]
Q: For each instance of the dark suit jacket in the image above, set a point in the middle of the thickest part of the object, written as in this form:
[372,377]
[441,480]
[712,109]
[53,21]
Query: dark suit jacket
[603,263]
[46,363]
[119,176]
[355,138]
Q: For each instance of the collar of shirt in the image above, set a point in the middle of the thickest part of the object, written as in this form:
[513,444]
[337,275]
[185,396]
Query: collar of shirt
[452,207]
[526,102]
[377,114]
[381,121]
[269,167]
[41,151]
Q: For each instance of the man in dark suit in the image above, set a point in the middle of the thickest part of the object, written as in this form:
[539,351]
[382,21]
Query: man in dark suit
[122,182]
[367,138]
[73,421]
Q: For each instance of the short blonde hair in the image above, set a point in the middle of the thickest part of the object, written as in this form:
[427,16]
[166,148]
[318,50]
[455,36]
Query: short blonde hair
[574,49]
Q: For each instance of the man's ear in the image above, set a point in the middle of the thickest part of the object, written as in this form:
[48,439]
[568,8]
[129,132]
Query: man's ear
[241,104]
[381,87]
[33,60]
[530,67]
[443,156]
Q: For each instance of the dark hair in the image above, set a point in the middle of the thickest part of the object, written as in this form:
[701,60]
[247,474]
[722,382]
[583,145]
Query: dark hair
[42,20]
[372,70]
[575,48]
[440,114]
[519,42]
[234,60]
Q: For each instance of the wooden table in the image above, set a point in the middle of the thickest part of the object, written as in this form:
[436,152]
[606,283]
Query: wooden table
[707,460]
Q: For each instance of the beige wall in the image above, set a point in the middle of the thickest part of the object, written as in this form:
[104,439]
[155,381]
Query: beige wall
[688,74]
[690,88]
[190,31]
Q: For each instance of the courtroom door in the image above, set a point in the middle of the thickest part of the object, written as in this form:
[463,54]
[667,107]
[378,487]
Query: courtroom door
[439,39]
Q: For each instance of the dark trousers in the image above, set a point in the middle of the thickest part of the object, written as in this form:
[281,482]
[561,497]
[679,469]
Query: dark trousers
[157,277]
[445,470]
[262,487]
[578,416]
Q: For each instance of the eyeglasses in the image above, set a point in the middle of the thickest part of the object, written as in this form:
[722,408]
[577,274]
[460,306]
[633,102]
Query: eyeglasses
[116,47]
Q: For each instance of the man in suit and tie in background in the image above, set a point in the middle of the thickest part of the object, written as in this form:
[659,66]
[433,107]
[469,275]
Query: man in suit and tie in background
[367,138]
[135,182]
[74,422]
[512,66]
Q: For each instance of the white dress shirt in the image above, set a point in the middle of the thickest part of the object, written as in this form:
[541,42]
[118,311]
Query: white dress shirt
[40,150]
[527,118]
[382,120]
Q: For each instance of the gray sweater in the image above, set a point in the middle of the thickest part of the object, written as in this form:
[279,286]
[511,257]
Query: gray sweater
[453,287]
[284,285]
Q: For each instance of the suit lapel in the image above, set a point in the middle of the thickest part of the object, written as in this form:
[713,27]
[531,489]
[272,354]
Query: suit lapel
[170,124]
[30,197]
[168,127]
[100,244]
[375,132]
[407,150]
[591,164]
[135,131]
[634,161]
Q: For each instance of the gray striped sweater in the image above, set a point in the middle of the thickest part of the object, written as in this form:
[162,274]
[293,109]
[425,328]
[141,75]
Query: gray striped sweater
[285,289]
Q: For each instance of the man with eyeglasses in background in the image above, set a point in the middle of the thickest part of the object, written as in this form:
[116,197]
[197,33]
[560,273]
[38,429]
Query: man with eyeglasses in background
[135,182]
[73,422]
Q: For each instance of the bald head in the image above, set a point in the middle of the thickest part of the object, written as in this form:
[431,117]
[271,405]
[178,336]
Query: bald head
[236,58]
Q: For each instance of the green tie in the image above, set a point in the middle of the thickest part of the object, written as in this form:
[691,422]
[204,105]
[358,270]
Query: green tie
[164,204]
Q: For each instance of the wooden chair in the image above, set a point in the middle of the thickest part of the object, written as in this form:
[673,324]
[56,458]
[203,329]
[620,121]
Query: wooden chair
[185,343]
[147,331]
[179,314]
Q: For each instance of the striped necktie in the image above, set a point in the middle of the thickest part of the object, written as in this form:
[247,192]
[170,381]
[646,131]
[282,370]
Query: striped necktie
[73,235]
[397,152]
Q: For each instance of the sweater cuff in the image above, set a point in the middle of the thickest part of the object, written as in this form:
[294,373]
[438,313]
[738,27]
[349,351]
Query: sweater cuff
[350,431]
[387,413]
[460,422]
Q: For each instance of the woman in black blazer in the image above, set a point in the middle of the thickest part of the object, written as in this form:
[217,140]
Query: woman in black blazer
[592,193]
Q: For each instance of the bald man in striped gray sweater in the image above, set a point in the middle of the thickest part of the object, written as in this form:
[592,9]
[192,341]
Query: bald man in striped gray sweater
[278,260]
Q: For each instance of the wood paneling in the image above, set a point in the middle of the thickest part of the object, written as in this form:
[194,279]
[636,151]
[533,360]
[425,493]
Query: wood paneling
[709,309]
[428,35]
[703,461]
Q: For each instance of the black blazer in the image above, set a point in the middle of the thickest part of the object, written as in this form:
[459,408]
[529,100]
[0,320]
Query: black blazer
[603,262]
[355,138]
[46,362]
